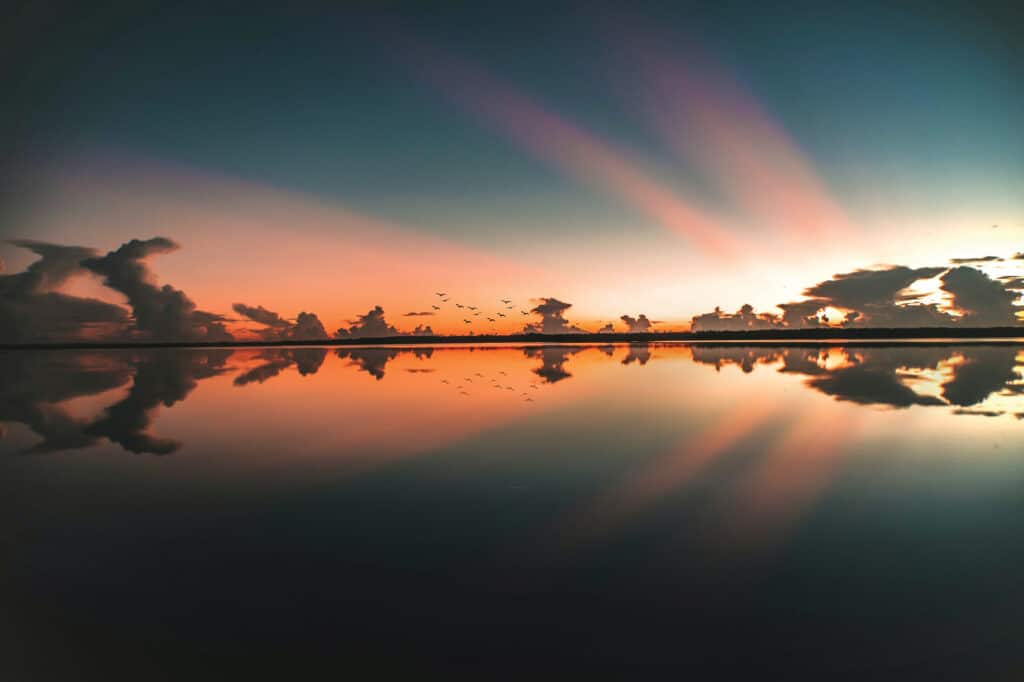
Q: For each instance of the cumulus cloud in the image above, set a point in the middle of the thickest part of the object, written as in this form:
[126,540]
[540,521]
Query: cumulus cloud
[879,298]
[637,324]
[261,315]
[552,318]
[32,310]
[369,325]
[422,330]
[306,327]
[982,300]
[163,313]
[607,329]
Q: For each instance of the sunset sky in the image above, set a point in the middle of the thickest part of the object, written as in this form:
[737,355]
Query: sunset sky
[661,161]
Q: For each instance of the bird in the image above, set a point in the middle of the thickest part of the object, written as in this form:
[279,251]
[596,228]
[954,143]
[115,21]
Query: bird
[471,307]
[480,375]
[444,300]
[506,301]
[476,314]
[459,305]
[436,307]
[468,379]
[440,294]
[524,312]
[502,373]
[528,400]
[463,393]
[444,381]
[468,321]
[510,307]
[533,386]
[509,388]
[501,314]
[490,319]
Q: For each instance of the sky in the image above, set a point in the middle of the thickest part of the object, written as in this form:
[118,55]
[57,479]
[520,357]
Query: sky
[663,160]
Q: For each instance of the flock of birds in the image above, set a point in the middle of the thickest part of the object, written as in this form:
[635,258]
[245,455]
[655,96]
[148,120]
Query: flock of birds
[494,383]
[474,310]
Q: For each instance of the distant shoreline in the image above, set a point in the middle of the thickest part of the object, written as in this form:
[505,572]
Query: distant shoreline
[769,336]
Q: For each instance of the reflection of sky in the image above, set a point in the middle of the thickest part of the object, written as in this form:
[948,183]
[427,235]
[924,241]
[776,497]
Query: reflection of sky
[432,481]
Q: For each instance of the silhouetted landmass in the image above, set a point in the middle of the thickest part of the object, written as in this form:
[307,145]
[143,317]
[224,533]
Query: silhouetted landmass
[759,336]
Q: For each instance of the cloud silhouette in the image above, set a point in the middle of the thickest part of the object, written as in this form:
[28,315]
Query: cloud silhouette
[982,300]
[609,328]
[879,298]
[425,313]
[980,259]
[307,326]
[163,312]
[422,330]
[552,314]
[370,325]
[637,324]
[261,315]
[31,309]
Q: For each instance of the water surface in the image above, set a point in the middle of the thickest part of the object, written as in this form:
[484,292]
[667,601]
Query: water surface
[508,510]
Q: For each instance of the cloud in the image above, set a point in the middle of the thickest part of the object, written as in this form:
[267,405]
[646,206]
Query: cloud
[637,324]
[162,313]
[982,300]
[370,325]
[607,329]
[307,326]
[422,330]
[261,315]
[425,313]
[879,298]
[552,314]
[980,259]
[31,310]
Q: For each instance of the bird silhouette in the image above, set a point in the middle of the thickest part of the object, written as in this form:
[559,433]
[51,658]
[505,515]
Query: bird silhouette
[506,301]
[444,381]
[444,300]
[440,294]
[510,307]
[490,319]
[463,393]
[468,321]
[480,375]
[501,314]
[524,312]
[459,305]
[476,314]
[471,307]
[468,379]
[436,307]
[502,373]
[528,400]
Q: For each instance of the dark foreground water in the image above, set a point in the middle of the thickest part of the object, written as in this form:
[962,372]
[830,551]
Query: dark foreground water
[511,511]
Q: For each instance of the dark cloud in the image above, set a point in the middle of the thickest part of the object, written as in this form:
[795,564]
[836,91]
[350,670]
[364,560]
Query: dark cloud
[422,330]
[745,319]
[979,413]
[982,300]
[878,298]
[31,310]
[981,259]
[637,324]
[607,329]
[261,315]
[425,313]
[370,325]
[552,314]
[163,313]
[306,327]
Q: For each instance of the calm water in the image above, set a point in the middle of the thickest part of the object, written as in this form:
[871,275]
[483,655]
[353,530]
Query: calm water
[194,514]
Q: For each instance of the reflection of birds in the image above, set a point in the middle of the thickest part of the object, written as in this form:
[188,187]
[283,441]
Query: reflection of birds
[444,381]
[468,379]
[490,319]
[502,373]
[533,386]
[436,307]
[440,294]
[509,388]
[480,375]
[463,393]
[528,400]
[506,301]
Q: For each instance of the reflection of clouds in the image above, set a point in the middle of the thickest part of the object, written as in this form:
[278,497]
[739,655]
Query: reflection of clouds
[887,375]
[638,353]
[33,385]
[306,360]
[374,360]
[553,358]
